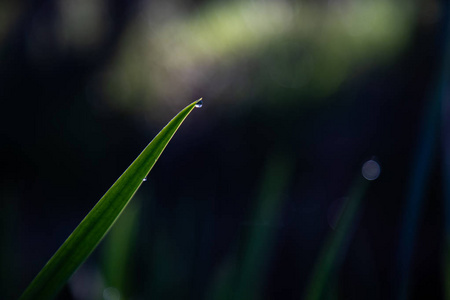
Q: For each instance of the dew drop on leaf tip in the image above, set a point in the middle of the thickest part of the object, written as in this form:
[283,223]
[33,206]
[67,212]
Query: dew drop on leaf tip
[199,104]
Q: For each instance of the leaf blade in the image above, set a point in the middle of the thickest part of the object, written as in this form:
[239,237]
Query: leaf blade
[88,234]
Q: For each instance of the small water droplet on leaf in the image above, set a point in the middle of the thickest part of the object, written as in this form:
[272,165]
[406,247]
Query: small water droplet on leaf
[145,179]
[199,104]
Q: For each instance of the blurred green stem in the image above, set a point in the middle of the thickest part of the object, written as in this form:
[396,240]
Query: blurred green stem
[336,242]
[118,248]
[444,93]
[422,167]
[262,231]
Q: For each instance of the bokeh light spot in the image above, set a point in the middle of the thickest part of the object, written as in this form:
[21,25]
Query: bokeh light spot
[371,170]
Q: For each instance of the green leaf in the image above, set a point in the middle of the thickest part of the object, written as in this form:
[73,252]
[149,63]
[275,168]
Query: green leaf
[119,249]
[261,239]
[334,249]
[83,240]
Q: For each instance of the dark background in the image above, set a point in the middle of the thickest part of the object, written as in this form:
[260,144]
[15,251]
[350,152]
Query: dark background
[296,93]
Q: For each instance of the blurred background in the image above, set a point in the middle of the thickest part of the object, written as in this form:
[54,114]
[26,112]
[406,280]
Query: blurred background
[272,189]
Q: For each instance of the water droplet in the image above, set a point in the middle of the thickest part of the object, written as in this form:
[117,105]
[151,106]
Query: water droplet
[371,170]
[145,179]
[199,104]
